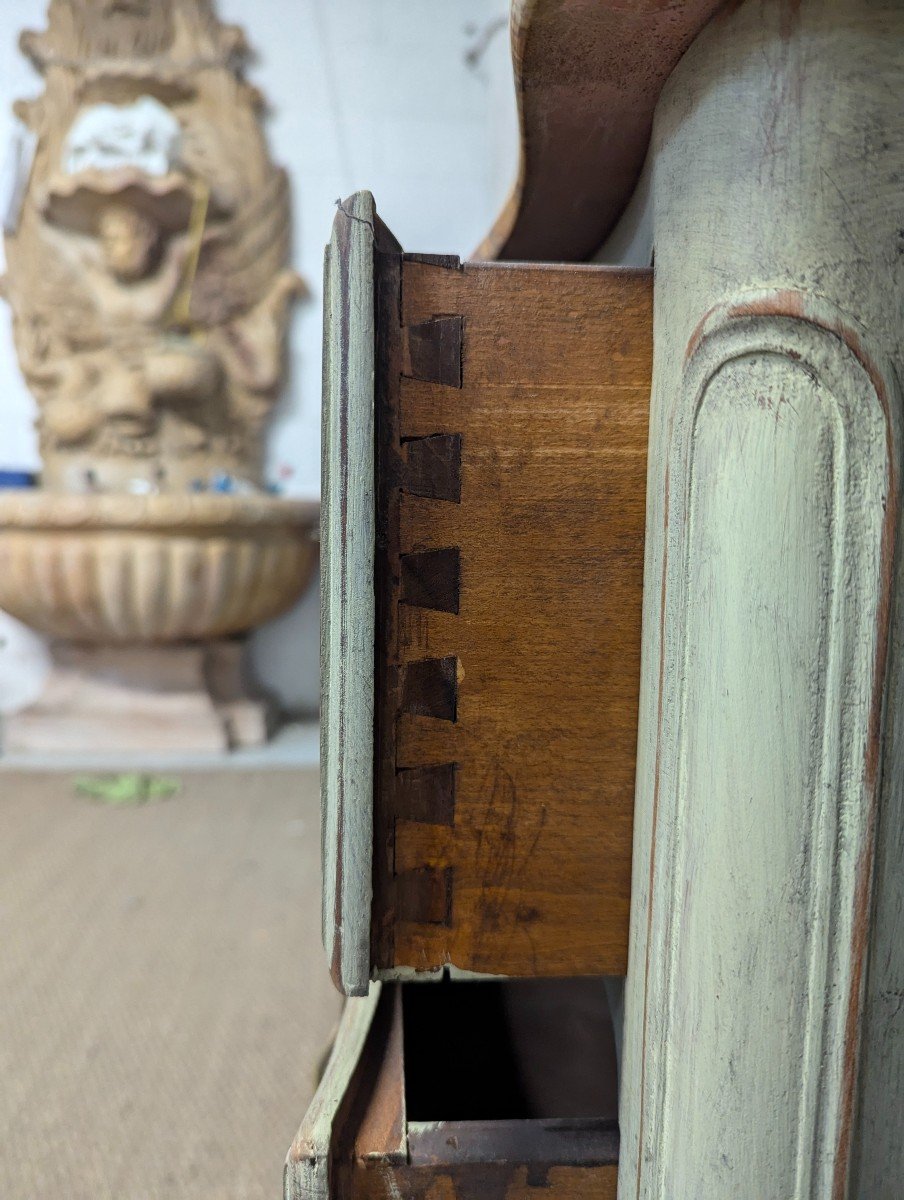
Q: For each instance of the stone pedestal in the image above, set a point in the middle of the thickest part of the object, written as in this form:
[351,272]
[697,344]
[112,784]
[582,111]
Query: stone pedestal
[145,597]
[189,697]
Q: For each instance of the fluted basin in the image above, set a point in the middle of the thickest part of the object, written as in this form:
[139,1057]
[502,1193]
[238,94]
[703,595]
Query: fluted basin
[155,568]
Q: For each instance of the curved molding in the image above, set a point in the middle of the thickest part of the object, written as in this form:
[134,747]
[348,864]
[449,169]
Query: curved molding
[777,556]
[587,78]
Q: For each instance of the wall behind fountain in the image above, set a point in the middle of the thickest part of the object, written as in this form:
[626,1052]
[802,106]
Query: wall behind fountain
[410,98]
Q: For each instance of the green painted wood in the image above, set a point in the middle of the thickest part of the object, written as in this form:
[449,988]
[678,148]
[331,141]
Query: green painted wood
[764,1036]
[307,1170]
[347,593]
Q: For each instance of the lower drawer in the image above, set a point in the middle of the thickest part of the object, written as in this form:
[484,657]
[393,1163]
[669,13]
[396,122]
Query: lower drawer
[407,1109]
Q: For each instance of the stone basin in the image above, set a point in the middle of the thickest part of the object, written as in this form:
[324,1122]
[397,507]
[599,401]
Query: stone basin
[117,568]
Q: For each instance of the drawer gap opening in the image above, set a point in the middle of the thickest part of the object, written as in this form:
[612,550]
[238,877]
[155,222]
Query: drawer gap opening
[509,1050]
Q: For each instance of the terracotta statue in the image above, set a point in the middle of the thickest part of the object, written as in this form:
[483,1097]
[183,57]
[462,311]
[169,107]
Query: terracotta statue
[147,268]
[149,282]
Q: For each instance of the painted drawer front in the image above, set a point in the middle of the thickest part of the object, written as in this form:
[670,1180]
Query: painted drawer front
[509,412]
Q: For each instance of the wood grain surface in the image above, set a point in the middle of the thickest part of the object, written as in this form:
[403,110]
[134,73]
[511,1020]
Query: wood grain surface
[587,77]
[509,619]
[502,1180]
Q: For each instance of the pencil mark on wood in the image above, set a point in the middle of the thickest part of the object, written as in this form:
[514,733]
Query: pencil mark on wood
[450,261]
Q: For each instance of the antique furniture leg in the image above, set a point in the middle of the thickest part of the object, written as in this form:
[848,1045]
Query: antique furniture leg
[764,1047]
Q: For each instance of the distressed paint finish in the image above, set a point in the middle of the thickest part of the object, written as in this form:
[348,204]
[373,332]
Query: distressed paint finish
[347,593]
[764,1038]
[308,1170]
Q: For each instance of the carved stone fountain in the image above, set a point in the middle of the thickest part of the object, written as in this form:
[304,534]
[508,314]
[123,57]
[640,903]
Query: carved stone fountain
[148,278]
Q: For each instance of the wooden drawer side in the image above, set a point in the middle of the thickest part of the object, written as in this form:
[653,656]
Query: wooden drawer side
[512,460]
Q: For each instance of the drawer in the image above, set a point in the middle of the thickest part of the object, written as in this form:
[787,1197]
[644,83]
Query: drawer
[484,441]
[374,1133]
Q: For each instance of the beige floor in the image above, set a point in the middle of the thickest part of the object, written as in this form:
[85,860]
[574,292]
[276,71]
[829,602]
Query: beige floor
[163,994]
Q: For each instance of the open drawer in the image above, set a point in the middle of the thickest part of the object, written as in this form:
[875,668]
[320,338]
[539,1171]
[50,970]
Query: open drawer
[390,1117]
[484,441]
